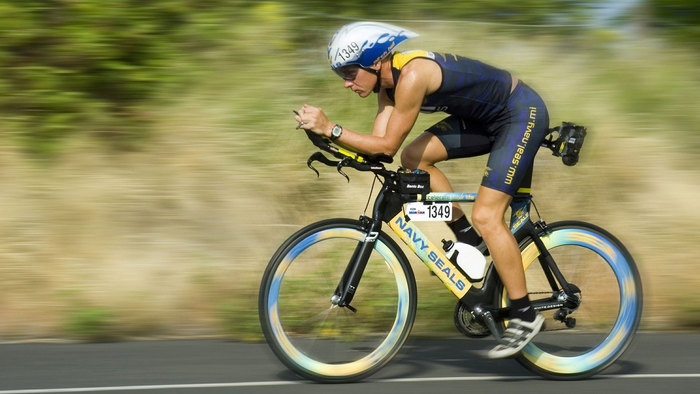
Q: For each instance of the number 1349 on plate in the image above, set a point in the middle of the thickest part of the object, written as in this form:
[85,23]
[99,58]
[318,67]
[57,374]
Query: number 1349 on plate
[430,211]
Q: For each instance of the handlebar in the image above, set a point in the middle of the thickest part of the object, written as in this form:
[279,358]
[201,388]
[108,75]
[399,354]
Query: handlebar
[565,141]
[347,158]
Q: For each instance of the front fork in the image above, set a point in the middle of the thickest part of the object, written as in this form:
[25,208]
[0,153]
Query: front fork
[345,291]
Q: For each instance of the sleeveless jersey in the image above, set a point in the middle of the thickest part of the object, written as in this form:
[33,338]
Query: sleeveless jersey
[470,89]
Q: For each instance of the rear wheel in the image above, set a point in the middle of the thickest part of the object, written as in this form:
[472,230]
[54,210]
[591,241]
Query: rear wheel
[590,332]
[314,337]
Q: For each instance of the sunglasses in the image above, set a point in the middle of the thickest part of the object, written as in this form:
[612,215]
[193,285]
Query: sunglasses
[348,73]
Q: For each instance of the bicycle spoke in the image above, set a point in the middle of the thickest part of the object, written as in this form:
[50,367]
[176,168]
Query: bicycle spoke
[584,337]
[321,340]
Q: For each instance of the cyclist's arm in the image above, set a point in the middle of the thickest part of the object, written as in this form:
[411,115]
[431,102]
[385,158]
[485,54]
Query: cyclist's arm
[395,120]
[384,109]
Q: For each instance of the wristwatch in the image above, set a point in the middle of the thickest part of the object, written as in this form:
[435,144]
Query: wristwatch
[336,131]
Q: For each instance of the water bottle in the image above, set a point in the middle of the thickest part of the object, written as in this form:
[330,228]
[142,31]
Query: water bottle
[468,258]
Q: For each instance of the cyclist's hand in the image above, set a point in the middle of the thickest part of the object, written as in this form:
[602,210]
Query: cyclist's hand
[312,118]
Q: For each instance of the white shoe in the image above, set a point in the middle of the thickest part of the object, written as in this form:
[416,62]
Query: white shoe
[518,334]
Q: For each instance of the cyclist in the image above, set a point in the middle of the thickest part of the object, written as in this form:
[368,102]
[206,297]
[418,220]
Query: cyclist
[490,111]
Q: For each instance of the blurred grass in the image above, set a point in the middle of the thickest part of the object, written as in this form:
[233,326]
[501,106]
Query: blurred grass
[171,236]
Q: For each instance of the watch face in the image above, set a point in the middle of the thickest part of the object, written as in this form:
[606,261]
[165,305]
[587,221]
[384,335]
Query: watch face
[336,131]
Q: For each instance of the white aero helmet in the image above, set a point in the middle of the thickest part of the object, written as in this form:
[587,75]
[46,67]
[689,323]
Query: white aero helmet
[364,43]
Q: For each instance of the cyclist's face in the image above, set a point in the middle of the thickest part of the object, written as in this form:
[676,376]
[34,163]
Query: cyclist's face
[358,79]
[348,73]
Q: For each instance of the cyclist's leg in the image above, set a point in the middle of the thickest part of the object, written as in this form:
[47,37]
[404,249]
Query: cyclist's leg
[423,153]
[487,215]
[449,139]
[518,138]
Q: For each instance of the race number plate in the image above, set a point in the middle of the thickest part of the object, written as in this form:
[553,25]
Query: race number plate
[430,211]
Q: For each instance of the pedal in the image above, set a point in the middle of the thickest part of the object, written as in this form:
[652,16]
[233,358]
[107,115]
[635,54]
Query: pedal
[491,324]
[489,321]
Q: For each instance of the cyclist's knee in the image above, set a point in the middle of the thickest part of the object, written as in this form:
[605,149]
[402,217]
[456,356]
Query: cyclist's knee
[488,211]
[411,157]
[485,220]
[423,152]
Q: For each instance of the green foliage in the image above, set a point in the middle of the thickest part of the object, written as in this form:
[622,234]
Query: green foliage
[501,11]
[688,314]
[91,324]
[239,318]
[677,19]
[99,68]
[69,66]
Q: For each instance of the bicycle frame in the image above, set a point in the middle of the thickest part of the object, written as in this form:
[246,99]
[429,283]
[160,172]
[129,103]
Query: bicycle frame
[433,256]
[388,207]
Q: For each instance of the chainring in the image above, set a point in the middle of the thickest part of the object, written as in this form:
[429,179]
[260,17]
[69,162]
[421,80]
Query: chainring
[467,324]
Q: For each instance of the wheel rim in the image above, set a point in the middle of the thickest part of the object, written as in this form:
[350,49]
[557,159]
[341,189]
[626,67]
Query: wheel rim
[382,352]
[618,337]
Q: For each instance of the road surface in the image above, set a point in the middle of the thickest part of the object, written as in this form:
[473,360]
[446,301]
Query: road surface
[656,363]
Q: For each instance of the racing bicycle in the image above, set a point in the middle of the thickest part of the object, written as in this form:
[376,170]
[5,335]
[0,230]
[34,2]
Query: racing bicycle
[338,298]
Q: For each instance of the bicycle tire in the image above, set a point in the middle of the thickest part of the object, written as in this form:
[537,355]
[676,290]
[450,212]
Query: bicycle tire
[610,309]
[327,343]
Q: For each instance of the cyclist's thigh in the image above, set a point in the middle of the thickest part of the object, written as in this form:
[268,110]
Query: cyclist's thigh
[462,137]
[426,149]
[517,140]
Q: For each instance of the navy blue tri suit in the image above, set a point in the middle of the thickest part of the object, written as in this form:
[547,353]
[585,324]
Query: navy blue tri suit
[484,117]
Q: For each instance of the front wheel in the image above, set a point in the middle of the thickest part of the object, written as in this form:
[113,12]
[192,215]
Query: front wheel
[317,339]
[577,342]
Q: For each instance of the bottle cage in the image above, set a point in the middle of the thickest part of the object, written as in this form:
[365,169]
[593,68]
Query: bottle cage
[566,141]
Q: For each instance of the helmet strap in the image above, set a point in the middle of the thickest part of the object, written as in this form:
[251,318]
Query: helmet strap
[377,85]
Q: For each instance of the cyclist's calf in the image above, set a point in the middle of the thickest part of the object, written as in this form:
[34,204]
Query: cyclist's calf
[487,217]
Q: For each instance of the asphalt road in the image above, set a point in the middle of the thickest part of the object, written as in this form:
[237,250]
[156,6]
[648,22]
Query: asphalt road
[656,363]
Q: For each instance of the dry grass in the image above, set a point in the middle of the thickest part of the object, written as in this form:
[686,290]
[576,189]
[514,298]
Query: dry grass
[172,239]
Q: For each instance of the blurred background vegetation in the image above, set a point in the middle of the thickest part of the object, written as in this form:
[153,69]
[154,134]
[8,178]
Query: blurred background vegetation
[150,167]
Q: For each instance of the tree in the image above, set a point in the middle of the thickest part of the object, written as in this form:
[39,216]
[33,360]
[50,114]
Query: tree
[677,19]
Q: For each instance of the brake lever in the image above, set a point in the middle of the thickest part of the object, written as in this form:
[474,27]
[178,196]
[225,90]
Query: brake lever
[318,156]
[339,167]
[308,163]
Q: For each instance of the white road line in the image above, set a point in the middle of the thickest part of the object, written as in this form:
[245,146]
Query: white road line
[153,387]
[655,376]
[289,382]
[533,377]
